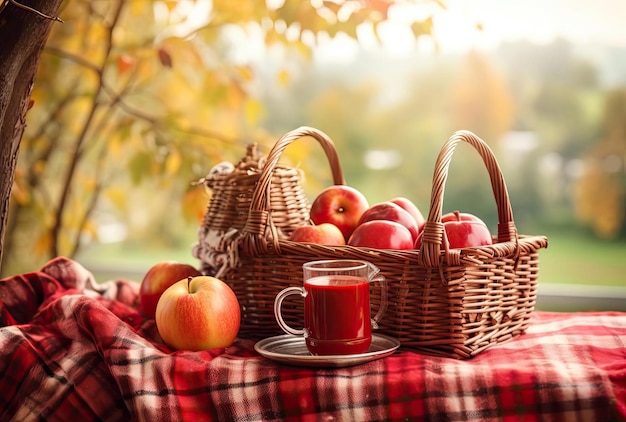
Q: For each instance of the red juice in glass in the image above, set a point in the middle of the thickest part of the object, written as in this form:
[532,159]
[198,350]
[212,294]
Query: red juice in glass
[337,315]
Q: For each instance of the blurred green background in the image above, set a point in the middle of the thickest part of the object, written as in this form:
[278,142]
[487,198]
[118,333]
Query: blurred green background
[136,101]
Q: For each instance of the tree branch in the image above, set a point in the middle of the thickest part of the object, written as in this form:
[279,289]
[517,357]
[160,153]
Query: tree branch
[76,154]
[117,99]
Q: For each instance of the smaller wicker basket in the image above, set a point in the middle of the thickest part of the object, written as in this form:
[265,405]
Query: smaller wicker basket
[448,302]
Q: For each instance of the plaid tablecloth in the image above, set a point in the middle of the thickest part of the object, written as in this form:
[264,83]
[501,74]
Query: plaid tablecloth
[75,350]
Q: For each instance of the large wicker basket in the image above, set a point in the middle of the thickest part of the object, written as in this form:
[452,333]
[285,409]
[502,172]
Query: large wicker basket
[442,301]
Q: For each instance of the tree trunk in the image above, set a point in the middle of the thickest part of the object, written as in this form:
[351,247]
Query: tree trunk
[23,34]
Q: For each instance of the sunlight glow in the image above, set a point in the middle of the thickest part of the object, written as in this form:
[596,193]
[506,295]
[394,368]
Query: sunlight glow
[484,24]
[462,26]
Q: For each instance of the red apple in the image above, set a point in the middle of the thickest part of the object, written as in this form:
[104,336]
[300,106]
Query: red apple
[463,231]
[391,212]
[322,234]
[460,216]
[198,313]
[158,278]
[340,205]
[381,234]
[410,207]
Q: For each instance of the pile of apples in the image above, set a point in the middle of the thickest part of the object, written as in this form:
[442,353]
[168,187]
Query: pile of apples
[197,312]
[341,215]
[192,311]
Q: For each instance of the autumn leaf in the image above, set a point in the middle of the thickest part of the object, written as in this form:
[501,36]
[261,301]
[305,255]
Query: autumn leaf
[42,243]
[19,194]
[164,57]
[124,63]
[422,28]
[140,165]
[194,203]
[171,5]
[283,76]
[253,111]
[118,197]
[173,162]
[245,72]
[379,6]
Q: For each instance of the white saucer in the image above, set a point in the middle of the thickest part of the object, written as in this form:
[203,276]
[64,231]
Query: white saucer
[292,350]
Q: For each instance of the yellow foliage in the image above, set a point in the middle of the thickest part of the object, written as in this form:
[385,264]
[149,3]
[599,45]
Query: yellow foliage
[91,229]
[42,243]
[19,194]
[182,51]
[89,184]
[482,102]
[607,203]
[600,199]
[171,5]
[114,145]
[117,196]
[253,111]
[176,94]
[246,72]
[173,162]
[194,204]
[149,103]
[228,11]
[39,167]
[139,8]
[283,77]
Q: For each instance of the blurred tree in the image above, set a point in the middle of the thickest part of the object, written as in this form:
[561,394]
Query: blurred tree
[481,100]
[23,34]
[601,190]
[482,103]
[558,99]
[136,100]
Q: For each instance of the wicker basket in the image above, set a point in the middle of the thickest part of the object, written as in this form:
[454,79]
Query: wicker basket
[447,302]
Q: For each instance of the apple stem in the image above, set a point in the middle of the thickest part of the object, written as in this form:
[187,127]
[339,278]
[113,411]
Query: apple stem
[457,214]
[189,283]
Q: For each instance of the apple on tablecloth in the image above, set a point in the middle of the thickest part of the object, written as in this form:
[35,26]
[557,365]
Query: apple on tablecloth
[158,278]
[340,205]
[198,313]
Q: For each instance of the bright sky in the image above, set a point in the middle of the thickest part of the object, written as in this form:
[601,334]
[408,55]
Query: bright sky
[580,21]
[538,20]
[541,21]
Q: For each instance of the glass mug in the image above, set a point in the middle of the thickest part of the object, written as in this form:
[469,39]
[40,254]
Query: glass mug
[336,306]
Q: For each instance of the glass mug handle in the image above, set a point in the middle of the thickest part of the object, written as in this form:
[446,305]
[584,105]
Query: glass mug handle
[278,302]
[382,308]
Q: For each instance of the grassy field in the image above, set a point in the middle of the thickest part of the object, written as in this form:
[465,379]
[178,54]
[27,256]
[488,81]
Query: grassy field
[578,259]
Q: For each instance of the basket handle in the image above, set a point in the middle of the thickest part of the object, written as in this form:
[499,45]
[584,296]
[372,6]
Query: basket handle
[434,234]
[259,212]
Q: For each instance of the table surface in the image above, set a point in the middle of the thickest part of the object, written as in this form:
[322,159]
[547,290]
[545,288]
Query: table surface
[73,349]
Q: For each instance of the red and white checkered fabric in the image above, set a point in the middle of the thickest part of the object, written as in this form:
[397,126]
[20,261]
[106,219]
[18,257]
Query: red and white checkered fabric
[72,349]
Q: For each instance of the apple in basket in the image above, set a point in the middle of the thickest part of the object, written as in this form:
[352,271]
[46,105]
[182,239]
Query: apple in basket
[463,230]
[391,212]
[322,234]
[158,278]
[340,205]
[411,208]
[381,234]
[198,313]
[466,230]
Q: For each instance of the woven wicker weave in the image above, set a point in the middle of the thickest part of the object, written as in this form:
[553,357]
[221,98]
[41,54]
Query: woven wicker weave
[442,301]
